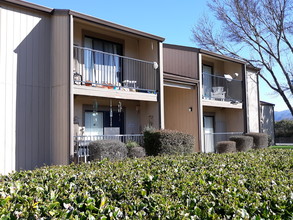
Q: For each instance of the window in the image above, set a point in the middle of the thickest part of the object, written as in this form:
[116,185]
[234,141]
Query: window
[93,123]
[207,80]
[103,66]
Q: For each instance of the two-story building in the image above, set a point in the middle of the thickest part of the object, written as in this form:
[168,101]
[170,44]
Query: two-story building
[66,74]
[69,78]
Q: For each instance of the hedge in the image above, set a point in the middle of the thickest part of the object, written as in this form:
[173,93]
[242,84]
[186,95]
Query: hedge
[159,142]
[111,149]
[226,147]
[247,185]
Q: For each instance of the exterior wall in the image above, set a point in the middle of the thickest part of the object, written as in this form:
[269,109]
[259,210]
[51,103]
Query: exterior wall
[252,101]
[221,67]
[267,121]
[60,88]
[180,62]
[25,88]
[177,114]
[226,120]
[135,47]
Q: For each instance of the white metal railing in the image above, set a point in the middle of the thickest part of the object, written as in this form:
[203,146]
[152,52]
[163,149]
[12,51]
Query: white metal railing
[211,139]
[81,143]
[112,71]
[219,88]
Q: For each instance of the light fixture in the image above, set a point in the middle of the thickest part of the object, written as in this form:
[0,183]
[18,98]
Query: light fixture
[190,109]
[229,78]
[156,65]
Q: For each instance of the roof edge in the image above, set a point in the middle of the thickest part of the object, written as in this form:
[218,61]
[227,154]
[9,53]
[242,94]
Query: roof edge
[29,5]
[114,25]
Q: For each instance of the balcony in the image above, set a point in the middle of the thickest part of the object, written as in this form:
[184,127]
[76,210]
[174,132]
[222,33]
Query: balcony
[119,76]
[219,90]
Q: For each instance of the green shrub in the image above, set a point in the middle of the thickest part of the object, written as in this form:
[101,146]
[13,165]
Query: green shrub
[136,152]
[131,144]
[158,142]
[111,149]
[260,140]
[284,128]
[226,147]
[243,143]
[250,185]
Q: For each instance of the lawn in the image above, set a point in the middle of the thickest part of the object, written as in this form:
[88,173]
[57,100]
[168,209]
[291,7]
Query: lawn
[252,185]
[282,147]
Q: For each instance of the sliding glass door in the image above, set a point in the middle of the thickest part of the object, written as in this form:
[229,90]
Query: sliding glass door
[101,63]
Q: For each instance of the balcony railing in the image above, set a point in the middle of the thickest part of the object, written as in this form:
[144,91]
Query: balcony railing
[81,143]
[105,70]
[221,89]
[211,139]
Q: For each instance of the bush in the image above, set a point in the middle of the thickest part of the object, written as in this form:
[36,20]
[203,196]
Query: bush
[284,128]
[243,143]
[250,185]
[134,150]
[158,142]
[111,149]
[260,140]
[226,147]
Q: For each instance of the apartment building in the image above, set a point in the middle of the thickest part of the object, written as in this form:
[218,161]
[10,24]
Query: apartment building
[67,78]
[65,74]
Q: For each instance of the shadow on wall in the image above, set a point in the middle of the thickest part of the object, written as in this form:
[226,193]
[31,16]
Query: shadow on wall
[33,94]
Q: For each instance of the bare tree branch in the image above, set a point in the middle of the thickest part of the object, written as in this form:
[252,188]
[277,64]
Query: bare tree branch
[262,26]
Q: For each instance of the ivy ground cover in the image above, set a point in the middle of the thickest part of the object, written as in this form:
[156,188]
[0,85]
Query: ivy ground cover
[251,185]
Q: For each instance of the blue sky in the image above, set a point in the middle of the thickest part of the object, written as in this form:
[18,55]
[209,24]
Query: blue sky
[172,19]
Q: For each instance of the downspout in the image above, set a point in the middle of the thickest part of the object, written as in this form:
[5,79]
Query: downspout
[257,81]
[245,101]
[161,93]
[200,107]
[71,105]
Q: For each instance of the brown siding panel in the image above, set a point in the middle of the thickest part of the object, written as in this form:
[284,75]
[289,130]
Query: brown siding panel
[177,114]
[181,62]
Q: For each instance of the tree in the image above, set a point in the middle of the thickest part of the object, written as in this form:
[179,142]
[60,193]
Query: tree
[259,32]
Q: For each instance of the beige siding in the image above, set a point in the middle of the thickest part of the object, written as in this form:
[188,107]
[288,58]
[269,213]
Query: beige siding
[252,101]
[177,114]
[60,89]
[226,120]
[24,88]
[180,62]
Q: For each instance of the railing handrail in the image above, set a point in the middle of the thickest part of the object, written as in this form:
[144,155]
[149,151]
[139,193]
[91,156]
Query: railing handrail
[240,132]
[111,135]
[112,54]
[222,77]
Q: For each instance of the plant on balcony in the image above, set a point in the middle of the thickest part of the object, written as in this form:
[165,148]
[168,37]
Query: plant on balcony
[159,142]
[110,149]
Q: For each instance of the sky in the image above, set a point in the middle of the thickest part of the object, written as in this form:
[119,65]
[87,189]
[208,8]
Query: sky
[172,19]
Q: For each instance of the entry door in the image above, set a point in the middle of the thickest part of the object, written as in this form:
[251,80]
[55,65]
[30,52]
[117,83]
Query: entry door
[93,123]
[208,128]
[207,81]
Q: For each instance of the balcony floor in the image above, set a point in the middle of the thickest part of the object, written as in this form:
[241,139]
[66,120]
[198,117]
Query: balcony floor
[221,104]
[111,93]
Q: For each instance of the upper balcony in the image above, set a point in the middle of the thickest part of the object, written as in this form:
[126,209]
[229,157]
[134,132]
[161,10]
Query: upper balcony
[113,62]
[114,74]
[222,83]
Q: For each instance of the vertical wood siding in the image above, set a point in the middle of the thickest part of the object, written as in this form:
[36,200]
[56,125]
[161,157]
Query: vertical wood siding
[60,89]
[25,89]
[180,62]
[177,114]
